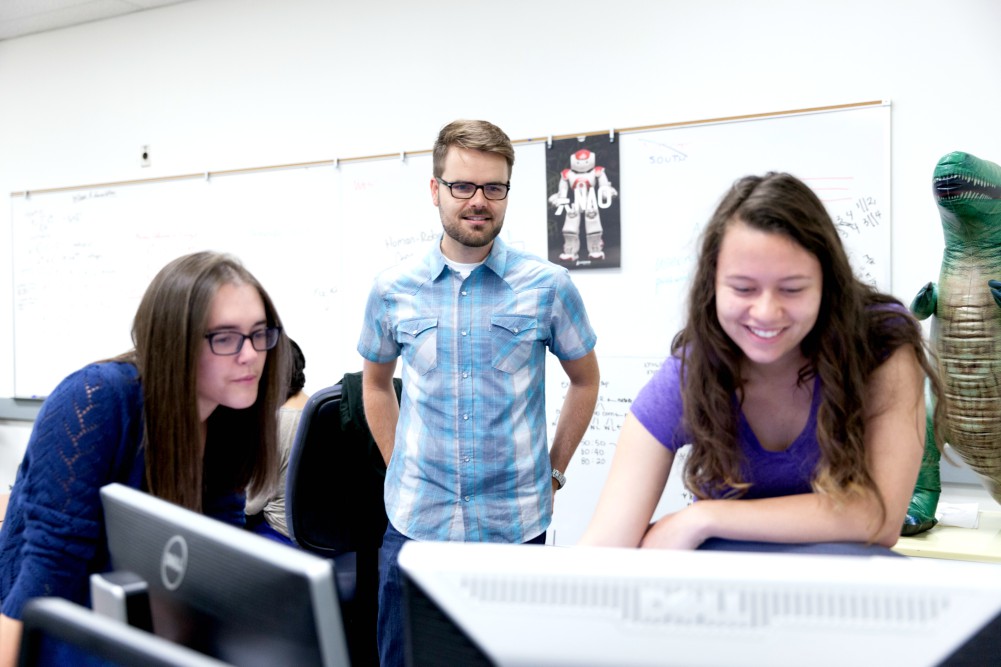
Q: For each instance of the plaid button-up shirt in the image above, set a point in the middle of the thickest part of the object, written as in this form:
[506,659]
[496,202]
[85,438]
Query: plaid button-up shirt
[471,458]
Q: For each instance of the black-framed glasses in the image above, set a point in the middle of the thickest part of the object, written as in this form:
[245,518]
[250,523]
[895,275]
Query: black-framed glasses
[465,190]
[228,343]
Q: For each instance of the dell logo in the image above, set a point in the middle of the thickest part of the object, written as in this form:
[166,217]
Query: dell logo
[174,562]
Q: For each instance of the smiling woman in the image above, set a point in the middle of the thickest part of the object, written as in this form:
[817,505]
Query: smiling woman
[188,415]
[799,387]
[768,291]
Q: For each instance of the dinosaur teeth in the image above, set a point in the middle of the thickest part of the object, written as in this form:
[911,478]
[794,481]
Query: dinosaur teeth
[956,186]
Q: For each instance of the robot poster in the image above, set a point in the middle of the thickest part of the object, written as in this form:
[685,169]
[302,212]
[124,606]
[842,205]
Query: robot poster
[582,190]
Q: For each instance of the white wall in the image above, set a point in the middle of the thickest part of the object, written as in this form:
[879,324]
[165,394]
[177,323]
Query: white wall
[218,84]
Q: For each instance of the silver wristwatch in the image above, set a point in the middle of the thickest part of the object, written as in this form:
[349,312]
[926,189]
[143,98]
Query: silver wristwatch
[560,478]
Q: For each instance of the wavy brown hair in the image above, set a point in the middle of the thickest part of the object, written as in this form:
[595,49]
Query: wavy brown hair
[168,332]
[856,330]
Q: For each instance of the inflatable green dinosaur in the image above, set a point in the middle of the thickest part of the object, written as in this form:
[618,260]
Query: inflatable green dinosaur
[966,330]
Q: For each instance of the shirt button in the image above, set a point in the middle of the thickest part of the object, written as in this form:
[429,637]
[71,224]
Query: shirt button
[464,292]
[463,333]
[516,329]
[465,459]
[465,417]
[466,499]
[465,375]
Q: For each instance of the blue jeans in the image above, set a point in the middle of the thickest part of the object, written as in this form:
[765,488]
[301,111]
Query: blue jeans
[391,618]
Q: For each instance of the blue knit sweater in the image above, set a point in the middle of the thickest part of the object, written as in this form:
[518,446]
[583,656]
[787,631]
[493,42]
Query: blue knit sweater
[87,434]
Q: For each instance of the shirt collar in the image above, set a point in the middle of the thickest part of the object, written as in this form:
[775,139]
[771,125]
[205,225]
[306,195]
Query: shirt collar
[496,260]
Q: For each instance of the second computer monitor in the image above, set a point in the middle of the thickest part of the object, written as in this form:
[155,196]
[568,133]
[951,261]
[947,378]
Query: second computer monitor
[59,633]
[224,591]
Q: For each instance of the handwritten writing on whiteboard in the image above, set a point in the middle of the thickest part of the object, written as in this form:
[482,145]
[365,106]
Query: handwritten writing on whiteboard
[621,380]
[855,219]
[609,413]
[400,248]
[660,153]
[855,222]
[78,251]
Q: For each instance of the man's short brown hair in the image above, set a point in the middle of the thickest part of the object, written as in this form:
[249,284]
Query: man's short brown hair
[475,134]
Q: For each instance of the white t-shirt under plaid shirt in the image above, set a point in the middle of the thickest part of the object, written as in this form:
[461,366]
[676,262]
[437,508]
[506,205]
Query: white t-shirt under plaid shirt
[471,460]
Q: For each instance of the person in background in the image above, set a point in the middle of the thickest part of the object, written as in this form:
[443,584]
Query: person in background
[799,387]
[266,511]
[189,415]
[466,448]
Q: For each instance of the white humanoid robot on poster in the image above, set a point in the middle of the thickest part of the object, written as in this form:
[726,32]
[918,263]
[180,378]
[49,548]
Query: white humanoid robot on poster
[592,191]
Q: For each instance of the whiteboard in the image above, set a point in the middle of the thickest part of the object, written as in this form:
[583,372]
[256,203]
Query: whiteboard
[316,237]
[82,260]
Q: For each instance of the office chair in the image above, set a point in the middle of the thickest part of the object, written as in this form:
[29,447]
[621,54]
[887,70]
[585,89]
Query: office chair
[334,504]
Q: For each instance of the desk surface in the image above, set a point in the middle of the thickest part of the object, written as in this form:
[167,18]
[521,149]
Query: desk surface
[982,544]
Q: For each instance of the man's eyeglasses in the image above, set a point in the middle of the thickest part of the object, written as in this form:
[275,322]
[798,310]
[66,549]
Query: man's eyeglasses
[228,343]
[464,190]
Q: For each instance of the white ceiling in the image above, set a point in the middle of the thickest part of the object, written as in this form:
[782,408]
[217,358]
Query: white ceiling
[25,17]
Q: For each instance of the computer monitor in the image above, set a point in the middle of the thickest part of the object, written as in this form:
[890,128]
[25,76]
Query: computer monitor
[58,633]
[490,604]
[224,591]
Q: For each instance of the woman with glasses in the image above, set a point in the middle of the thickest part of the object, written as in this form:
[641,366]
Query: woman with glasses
[189,415]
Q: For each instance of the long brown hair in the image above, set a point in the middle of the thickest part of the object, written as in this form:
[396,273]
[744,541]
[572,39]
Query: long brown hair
[168,332]
[857,328]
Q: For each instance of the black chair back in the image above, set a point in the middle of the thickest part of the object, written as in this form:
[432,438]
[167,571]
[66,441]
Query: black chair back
[334,501]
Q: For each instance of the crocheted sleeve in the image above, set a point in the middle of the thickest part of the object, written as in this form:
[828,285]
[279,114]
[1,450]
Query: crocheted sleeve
[81,437]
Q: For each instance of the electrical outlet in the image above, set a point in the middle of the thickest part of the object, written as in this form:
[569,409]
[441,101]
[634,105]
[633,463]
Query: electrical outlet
[144,156]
